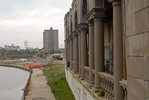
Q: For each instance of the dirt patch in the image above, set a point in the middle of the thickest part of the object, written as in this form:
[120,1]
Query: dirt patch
[11,54]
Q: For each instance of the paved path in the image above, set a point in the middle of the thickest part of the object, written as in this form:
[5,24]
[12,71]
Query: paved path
[38,88]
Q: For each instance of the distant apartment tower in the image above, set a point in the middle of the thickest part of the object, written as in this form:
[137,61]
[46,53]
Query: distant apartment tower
[50,40]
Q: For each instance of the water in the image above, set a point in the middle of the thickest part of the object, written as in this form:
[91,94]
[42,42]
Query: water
[12,81]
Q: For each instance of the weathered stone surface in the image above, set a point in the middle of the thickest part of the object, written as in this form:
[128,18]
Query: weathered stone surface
[145,3]
[79,90]
[130,25]
[148,69]
[135,45]
[137,67]
[146,43]
[136,89]
[133,6]
[130,7]
[141,21]
[147,89]
[147,18]
[130,97]
[138,5]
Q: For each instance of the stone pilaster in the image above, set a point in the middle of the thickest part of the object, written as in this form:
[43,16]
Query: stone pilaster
[98,49]
[83,29]
[118,49]
[91,52]
[76,53]
[71,52]
[66,51]
[79,44]
[98,15]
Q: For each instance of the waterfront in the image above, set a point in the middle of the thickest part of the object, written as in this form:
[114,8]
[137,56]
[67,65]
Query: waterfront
[12,81]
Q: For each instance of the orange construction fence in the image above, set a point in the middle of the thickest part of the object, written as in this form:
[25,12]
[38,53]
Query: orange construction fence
[33,65]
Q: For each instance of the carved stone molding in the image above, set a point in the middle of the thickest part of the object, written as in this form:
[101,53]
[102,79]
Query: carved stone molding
[96,13]
[83,26]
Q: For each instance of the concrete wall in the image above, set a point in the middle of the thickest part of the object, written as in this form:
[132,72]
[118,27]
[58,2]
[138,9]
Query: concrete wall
[78,90]
[137,48]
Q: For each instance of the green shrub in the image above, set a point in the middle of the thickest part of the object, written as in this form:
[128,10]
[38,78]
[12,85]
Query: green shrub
[101,93]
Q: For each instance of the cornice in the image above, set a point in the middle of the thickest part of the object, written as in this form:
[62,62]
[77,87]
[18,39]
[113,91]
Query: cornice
[70,36]
[75,33]
[96,13]
[115,2]
[83,26]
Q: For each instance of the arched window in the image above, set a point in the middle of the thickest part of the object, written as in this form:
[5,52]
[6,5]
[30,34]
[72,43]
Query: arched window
[84,11]
[71,24]
[76,20]
[108,38]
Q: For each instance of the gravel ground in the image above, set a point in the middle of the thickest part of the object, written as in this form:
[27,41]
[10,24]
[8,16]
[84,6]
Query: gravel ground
[38,88]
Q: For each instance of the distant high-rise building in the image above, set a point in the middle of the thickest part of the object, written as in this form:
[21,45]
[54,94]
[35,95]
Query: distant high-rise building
[50,40]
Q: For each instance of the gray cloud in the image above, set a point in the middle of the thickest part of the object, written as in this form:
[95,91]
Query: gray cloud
[22,20]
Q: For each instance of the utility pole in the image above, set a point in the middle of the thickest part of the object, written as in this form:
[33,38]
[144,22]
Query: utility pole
[26,44]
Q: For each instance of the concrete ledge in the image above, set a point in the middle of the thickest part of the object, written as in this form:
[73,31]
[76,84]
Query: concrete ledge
[93,72]
[19,67]
[80,88]
[86,68]
[123,83]
[106,76]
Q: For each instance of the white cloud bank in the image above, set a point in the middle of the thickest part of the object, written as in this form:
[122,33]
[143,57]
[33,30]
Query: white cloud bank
[22,20]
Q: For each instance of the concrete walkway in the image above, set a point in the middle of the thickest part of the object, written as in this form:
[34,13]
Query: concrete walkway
[38,88]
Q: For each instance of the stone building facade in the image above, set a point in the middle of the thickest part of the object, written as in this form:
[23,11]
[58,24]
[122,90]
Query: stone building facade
[107,45]
[50,40]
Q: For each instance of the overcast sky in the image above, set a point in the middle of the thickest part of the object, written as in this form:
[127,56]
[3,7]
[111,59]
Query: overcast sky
[22,20]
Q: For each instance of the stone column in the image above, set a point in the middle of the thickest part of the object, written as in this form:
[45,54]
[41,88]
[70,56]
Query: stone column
[83,49]
[98,49]
[71,52]
[66,51]
[91,52]
[79,44]
[76,53]
[118,50]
